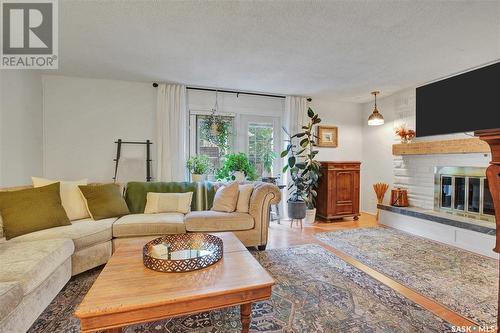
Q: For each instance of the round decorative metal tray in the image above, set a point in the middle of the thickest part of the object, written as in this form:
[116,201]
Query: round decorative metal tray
[182,252]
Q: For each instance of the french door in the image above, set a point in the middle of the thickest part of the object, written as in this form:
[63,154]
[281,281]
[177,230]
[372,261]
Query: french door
[259,137]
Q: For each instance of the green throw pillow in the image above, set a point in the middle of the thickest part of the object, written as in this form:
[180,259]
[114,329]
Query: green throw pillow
[104,201]
[32,209]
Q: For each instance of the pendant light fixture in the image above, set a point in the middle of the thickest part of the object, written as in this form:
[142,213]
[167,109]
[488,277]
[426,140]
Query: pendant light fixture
[375,118]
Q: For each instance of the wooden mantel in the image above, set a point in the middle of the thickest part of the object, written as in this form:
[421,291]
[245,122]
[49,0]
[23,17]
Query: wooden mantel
[492,138]
[456,146]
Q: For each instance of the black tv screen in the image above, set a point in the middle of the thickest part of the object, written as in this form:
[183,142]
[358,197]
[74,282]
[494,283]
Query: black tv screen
[462,103]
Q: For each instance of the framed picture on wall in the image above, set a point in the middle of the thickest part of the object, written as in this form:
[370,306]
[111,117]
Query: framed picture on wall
[327,136]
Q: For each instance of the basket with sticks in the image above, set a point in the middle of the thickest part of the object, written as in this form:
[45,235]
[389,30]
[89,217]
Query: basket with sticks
[380,189]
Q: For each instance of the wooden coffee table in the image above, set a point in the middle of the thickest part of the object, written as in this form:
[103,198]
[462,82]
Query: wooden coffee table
[127,293]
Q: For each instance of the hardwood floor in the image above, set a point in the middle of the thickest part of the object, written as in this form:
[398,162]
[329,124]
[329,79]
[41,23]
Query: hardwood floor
[282,235]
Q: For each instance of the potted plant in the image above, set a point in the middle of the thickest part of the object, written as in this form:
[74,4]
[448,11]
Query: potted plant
[304,169]
[199,166]
[236,167]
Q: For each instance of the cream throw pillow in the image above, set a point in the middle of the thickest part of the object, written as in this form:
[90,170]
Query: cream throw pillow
[226,198]
[168,203]
[244,198]
[71,198]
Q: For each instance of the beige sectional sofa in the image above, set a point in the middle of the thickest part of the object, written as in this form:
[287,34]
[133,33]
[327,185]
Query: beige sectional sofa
[36,266]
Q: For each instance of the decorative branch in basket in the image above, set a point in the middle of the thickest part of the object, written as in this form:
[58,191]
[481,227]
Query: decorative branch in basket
[380,189]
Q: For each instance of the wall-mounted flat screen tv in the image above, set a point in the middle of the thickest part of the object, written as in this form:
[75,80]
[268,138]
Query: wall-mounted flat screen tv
[462,103]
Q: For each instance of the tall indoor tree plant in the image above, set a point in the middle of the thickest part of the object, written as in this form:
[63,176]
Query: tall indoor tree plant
[304,169]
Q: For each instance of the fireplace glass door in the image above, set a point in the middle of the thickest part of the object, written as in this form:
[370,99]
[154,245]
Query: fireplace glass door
[488,207]
[459,193]
[466,195]
[446,191]
[474,195]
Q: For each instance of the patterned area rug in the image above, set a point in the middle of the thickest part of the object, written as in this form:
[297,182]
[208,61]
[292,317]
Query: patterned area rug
[463,281]
[315,292]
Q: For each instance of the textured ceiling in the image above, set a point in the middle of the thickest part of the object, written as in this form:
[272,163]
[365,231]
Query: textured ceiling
[341,48]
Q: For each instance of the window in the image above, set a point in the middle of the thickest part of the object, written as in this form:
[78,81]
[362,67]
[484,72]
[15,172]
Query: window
[214,139]
[261,147]
[256,136]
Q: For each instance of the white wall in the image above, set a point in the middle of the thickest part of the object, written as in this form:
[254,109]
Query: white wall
[20,126]
[83,118]
[416,173]
[347,117]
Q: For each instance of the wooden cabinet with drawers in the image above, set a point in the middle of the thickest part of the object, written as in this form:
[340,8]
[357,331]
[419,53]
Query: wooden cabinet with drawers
[338,190]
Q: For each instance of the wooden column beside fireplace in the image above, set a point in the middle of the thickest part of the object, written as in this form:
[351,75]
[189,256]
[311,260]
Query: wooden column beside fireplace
[338,190]
[492,137]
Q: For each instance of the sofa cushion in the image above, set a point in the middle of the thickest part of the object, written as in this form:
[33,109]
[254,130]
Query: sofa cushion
[11,294]
[71,198]
[226,198]
[168,203]
[30,263]
[244,198]
[149,224]
[104,200]
[32,209]
[207,221]
[84,233]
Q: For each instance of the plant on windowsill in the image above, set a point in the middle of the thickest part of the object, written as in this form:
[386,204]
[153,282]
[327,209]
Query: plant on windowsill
[199,166]
[304,169]
[236,167]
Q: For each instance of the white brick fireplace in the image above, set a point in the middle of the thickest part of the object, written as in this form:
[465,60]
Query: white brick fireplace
[416,173]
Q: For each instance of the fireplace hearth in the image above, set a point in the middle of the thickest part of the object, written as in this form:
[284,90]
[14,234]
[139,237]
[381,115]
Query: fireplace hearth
[463,191]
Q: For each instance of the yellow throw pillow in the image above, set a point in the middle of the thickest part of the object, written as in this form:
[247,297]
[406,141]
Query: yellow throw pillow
[226,198]
[168,203]
[104,201]
[71,198]
[244,198]
[31,210]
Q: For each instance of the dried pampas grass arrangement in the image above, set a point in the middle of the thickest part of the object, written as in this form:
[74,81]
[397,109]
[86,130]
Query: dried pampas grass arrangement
[380,189]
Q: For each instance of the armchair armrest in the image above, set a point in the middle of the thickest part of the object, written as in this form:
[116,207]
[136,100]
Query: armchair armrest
[263,196]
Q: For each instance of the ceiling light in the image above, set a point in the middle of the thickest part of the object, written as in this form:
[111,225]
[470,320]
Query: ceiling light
[375,118]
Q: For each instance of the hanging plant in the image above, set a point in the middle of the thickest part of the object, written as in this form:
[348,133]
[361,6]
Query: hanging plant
[216,130]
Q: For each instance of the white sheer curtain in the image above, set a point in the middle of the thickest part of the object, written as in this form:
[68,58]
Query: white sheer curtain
[294,118]
[171,132]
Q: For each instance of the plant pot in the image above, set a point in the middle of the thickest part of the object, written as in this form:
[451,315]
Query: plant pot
[239,176]
[310,216]
[197,177]
[296,209]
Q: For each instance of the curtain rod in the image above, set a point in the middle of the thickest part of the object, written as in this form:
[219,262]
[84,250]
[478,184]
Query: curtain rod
[233,92]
